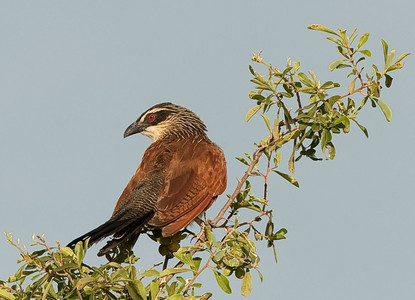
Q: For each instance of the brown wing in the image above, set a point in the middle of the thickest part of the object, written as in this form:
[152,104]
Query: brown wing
[155,160]
[195,177]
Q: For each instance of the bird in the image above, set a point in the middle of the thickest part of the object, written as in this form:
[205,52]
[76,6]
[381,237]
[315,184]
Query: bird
[181,174]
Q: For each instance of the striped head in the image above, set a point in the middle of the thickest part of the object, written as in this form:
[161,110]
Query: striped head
[167,120]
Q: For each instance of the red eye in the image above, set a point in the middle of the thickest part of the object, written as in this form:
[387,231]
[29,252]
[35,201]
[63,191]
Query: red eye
[151,117]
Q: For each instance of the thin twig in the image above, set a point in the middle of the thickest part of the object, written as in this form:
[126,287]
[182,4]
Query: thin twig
[263,213]
[266,180]
[354,64]
[359,90]
[255,158]
[199,272]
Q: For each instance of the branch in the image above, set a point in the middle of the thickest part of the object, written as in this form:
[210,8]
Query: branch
[359,90]
[199,272]
[257,154]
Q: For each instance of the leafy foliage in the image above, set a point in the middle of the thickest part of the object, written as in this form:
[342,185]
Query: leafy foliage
[227,245]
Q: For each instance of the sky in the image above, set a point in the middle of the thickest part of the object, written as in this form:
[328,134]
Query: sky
[75,74]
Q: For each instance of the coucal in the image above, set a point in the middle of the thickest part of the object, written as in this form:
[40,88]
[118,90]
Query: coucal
[181,174]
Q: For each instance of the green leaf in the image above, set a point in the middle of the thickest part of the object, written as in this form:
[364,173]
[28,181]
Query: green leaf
[342,51]
[335,63]
[223,282]
[47,289]
[119,275]
[242,160]
[314,76]
[6,295]
[141,289]
[260,275]
[388,80]
[389,59]
[329,85]
[206,296]
[256,96]
[289,178]
[343,120]
[331,149]
[252,112]
[276,128]
[280,234]
[352,86]
[154,288]
[114,265]
[84,281]
[170,271]
[285,72]
[288,89]
[79,253]
[366,52]
[402,57]
[325,139]
[185,257]
[360,59]
[38,253]
[385,109]
[246,286]
[343,35]
[385,50]
[291,165]
[396,66]
[363,39]
[232,262]
[267,122]
[133,294]
[198,260]
[218,256]
[342,66]
[322,28]
[307,90]
[277,159]
[178,297]
[251,70]
[330,38]
[304,79]
[296,66]
[67,251]
[150,273]
[333,99]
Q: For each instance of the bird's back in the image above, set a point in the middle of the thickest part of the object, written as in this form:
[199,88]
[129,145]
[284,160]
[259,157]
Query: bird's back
[186,175]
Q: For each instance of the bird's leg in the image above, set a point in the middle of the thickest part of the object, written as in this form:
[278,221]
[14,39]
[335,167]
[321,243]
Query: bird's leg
[166,261]
[189,232]
[199,221]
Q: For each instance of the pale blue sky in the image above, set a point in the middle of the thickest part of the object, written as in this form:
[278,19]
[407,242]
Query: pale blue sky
[75,74]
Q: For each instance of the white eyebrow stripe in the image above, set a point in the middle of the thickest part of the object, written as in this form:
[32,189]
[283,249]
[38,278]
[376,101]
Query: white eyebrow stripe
[153,111]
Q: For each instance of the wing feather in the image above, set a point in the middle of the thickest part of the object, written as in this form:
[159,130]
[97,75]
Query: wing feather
[195,177]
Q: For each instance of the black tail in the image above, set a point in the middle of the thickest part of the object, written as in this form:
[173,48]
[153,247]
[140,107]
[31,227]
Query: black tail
[97,234]
[125,233]
[126,237]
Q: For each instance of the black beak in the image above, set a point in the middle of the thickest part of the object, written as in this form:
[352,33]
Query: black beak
[134,128]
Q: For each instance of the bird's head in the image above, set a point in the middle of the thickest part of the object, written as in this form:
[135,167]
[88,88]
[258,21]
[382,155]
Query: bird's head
[167,119]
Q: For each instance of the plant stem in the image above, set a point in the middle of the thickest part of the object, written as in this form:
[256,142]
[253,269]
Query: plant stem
[255,158]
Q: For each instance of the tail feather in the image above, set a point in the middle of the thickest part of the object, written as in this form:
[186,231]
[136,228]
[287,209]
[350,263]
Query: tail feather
[124,232]
[97,234]
[126,237]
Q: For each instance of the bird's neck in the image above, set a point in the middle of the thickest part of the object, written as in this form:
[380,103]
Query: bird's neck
[183,135]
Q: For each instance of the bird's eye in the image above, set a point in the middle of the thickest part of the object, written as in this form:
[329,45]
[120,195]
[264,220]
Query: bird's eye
[151,117]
